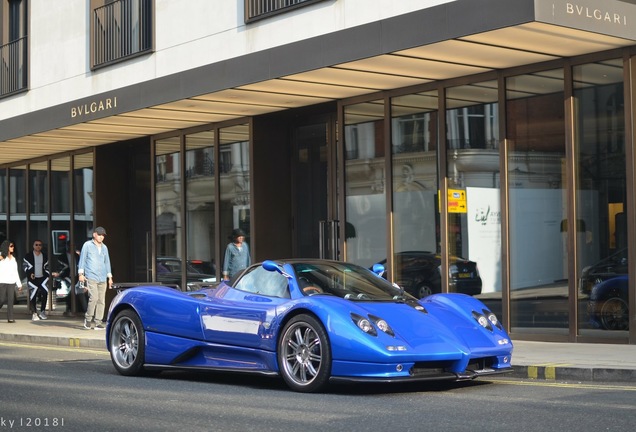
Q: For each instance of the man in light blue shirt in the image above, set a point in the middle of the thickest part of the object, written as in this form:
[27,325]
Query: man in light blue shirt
[94,271]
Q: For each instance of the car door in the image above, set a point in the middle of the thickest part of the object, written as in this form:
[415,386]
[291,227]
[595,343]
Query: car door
[245,313]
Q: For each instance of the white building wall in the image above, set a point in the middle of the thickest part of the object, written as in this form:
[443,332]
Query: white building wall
[189,34]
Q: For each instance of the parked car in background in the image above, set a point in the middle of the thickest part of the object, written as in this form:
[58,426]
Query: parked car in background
[607,305]
[419,273]
[169,273]
[607,268]
[205,267]
[311,322]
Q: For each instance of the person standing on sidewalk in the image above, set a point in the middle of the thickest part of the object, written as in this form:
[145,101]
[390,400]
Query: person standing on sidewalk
[36,267]
[94,271]
[9,277]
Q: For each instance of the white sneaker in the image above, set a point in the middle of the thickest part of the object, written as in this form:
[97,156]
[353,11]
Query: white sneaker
[87,324]
[43,316]
[35,317]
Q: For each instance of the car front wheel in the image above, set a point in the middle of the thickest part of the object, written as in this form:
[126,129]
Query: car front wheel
[304,354]
[126,343]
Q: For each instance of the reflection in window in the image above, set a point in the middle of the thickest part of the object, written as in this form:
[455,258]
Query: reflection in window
[601,191]
[38,188]
[200,196]
[13,47]
[168,197]
[38,206]
[120,29]
[234,182]
[17,207]
[83,196]
[60,216]
[537,190]
[365,183]
[4,190]
[415,212]
[474,224]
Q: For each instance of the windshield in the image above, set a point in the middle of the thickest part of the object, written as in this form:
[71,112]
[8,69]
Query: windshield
[345,280]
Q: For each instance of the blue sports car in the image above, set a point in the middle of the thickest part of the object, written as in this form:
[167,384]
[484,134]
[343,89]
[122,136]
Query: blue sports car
[312,322]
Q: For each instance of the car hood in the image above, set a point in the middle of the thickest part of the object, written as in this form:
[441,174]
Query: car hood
[438,332]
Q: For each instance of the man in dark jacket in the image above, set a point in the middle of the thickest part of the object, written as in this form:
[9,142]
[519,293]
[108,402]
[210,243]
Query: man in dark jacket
[36,268]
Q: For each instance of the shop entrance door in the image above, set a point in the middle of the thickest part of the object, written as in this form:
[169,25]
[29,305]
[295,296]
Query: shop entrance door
[315,223]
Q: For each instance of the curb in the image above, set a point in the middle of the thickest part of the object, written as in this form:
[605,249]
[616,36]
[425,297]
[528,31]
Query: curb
[568,373]
[71,342]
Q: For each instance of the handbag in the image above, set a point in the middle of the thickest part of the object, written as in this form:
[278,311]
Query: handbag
[79,288]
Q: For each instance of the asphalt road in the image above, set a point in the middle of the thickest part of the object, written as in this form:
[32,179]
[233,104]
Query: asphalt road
[72,389]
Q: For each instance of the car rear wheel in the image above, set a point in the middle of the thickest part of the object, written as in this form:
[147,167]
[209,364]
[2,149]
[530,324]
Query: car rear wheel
[304,354]
[126,343]
[614,314]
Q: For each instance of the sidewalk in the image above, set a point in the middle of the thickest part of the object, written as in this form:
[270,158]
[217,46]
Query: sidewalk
[535,360]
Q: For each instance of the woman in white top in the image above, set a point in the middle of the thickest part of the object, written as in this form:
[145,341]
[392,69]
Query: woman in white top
[9,277]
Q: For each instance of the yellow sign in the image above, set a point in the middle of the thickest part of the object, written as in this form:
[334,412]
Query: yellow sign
[456,200]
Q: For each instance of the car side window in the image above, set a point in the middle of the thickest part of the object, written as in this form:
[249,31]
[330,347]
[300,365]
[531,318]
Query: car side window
[261,281]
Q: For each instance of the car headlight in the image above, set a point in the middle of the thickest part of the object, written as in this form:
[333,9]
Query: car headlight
[364,324]
[492,318]
[482,320]
[369,325]
[382,325]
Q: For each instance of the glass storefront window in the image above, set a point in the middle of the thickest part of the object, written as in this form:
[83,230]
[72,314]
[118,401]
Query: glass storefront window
[197,187]
[168,222]
[365,181]
[538,200]
[38,205]
[414,138]
[17,212]
[83,199]
[601,197]
[234,182]
[82,217]
[4,191]
[59,237]
[474,209]
[200,198]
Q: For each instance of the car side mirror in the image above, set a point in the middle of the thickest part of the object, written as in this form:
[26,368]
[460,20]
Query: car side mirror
[378,269]
[271,266]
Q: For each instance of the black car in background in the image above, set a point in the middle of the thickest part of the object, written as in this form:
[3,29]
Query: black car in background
[205,267]
[419,274]
[607,268]
[169,273]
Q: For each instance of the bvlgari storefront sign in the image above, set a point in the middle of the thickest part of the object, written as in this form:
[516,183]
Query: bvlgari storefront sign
[98,106]
[608,17]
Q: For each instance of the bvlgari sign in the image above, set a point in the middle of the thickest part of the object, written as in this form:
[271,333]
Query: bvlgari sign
[609,17]
[101,105]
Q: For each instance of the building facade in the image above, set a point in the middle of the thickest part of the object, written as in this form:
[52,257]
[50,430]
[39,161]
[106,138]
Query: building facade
[426,134]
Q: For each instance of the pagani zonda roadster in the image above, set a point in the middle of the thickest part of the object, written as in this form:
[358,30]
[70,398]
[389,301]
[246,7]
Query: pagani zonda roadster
[310,321]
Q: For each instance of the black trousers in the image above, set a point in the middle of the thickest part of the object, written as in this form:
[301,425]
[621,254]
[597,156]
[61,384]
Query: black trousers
[7,295]
[40,294]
